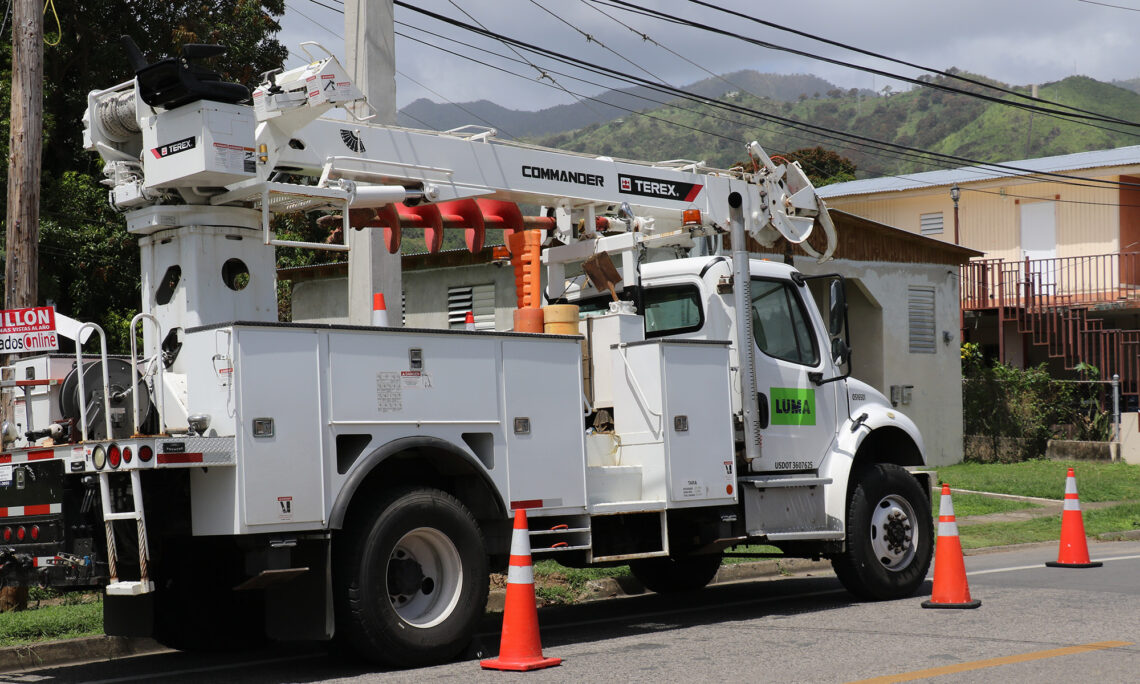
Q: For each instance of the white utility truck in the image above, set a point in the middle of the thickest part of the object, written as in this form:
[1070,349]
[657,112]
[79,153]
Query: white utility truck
[243,478]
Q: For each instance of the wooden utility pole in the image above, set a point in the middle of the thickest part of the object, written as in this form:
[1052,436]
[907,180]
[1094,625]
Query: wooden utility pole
[24,162]
[24,155]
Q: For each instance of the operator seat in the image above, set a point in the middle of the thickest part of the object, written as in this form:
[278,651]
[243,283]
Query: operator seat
[173,82]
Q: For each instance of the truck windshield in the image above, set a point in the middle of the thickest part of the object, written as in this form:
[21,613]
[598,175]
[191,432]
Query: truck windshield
[779,323]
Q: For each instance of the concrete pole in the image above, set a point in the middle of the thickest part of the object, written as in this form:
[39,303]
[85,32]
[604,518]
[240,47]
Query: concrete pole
[370,53]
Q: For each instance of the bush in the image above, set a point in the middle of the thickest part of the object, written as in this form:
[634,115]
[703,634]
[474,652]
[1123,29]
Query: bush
[1010,414]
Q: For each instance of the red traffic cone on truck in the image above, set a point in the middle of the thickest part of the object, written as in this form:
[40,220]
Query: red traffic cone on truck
[951,590]
[520,648]
[1074,551]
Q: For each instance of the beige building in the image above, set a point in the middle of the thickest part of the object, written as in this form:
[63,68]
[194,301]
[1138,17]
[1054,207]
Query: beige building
[1060,278]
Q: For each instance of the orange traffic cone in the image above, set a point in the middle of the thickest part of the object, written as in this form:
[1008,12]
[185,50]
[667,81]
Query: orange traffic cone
[520,648]
[469,321]
[379,311]
[950,587]
[1074,551]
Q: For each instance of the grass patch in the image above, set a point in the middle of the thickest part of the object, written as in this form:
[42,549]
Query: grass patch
[555,583]
[1046,479]
[1113,519]
[51,622]
[976,504]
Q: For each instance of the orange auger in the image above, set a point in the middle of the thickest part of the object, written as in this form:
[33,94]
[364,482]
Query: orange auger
[520,648]
[1074,551]
[950,587]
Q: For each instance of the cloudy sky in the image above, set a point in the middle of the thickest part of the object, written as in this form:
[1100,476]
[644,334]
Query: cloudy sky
[1015,41]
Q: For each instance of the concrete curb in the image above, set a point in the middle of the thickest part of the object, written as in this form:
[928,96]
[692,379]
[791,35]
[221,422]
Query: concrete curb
[69,651]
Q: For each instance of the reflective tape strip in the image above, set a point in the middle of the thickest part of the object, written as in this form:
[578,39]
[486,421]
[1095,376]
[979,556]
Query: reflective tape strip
[520,574]
[1072,504]
[946,506]
[947,529]
[38,509]
[520,542]
[44,561]
[1070,486]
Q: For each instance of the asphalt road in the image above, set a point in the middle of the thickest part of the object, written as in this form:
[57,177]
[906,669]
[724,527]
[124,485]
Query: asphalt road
[1036,624]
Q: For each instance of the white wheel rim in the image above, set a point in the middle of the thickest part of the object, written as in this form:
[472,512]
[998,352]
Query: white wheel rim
[424,577]
[894,533]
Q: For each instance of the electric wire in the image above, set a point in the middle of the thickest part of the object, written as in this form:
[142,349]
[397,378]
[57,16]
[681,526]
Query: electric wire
[406,76]
[1087,120]
[590,38]
[1001,168]
[541,73]
[1075,111]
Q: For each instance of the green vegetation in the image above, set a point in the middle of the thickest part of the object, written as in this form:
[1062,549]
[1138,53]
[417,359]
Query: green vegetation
[1106,520]
[51,622]
[921,117]
[1010,414]
[555,583]
[1045,479]
[977,504]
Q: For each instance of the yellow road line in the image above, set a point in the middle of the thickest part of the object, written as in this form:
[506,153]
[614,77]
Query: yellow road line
[993,662]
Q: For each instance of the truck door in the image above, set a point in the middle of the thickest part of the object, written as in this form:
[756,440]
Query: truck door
[797,417]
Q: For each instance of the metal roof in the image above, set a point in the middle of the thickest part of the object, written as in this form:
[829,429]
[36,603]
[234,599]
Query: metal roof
[1120,156]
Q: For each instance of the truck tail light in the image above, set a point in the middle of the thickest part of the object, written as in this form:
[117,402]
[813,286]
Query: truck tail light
[21,533]
[128,454]
[35,532]
[99,457]
[145,453]
[114,455]
[7,534]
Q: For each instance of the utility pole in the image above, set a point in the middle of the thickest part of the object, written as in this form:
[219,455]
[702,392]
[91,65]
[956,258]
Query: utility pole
[24,155]
[370,51]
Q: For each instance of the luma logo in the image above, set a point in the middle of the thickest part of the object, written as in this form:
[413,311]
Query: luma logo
[793,406]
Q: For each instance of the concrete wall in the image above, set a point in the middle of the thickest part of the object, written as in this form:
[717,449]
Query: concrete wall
[881,357]
[1130,438]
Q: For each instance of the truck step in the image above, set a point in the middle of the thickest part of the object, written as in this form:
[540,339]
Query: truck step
[129,588]
[767,481]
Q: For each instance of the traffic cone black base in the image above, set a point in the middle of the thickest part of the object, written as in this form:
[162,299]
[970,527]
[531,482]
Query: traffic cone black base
[1056,564]
[969,604]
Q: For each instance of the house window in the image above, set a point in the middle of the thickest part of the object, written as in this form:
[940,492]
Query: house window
[478,299]
[930,224]
[920,319]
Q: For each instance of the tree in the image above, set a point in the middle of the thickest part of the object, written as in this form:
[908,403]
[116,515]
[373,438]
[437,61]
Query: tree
[823,166]
[89,264]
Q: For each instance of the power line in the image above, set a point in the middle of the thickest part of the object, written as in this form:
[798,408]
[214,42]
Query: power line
[1066,116]
[1046,110]
[1105,4]
[629,78]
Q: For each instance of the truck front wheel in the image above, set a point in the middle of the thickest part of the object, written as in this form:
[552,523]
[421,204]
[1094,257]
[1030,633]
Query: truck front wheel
[668,575]
[889,534]
[411,579]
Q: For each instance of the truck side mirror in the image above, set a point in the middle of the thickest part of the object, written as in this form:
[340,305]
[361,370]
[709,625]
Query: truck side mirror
[837,314]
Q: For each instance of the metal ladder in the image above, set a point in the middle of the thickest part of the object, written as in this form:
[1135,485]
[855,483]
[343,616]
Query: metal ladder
[115,586]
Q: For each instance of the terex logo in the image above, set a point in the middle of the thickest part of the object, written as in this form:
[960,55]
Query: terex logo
[173,148]
[657,187]
[793,406]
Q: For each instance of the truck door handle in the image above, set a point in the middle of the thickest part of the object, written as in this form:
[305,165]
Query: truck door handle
[762,409]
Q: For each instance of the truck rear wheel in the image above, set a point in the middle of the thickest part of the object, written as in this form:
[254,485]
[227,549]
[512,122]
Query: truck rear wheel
[412,579]
[889,535]
[668,575]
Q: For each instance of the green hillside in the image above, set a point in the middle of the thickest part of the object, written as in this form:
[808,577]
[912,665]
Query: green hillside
[922,118]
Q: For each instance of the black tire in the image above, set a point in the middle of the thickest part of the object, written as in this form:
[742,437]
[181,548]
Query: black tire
[669,575]
[890,535]
[411,579]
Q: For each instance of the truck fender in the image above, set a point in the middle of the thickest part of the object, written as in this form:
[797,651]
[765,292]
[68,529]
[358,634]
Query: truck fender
[457,461]
[884,436]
